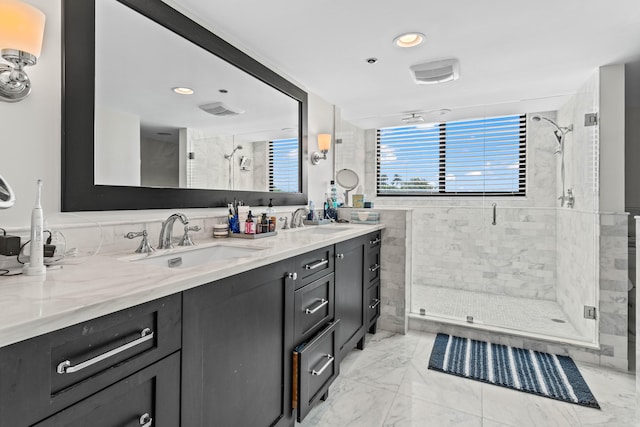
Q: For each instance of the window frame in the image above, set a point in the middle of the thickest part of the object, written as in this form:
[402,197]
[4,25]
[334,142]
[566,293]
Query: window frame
[442,164]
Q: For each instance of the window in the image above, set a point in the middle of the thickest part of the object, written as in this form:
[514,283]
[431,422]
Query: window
[471,157]
[284,165]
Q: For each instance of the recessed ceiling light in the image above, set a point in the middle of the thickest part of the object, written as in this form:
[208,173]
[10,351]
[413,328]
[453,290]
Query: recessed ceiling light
[371,60]
[409,39]
[183,90]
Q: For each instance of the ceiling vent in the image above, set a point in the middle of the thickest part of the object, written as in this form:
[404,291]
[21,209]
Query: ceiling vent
[413,118]
[436,72]
[220,109]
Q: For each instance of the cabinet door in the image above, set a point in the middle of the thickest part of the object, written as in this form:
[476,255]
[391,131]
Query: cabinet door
[150,397]
[349,284]
[43,375]
[237,344]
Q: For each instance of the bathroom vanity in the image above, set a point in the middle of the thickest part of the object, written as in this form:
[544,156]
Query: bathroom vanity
[233,344]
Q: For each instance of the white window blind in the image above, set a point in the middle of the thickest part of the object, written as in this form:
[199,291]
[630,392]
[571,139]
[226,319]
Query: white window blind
[284,165]
[471,157]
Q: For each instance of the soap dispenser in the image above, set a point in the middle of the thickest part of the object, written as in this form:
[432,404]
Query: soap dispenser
[250,225]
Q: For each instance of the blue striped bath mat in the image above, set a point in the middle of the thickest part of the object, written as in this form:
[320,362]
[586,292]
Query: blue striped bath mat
[544,374]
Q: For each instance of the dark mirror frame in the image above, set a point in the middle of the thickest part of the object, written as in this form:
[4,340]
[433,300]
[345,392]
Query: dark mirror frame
[79,193]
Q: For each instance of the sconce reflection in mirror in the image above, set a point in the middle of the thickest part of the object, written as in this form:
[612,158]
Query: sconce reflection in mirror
[21,32]
[7,197]
[324,144]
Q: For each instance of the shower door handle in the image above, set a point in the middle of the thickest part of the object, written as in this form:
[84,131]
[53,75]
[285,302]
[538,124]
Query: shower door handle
[494,205]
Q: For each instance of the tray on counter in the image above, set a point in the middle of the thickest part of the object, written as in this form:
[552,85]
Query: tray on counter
[253,236]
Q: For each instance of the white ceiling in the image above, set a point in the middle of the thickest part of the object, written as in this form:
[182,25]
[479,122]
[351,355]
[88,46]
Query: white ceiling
[515,56]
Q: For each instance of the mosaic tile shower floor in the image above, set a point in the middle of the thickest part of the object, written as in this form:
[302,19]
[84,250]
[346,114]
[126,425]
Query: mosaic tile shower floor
[521,314]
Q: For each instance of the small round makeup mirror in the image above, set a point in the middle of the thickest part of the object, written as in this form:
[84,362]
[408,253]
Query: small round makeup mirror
[347,179]
[7,197]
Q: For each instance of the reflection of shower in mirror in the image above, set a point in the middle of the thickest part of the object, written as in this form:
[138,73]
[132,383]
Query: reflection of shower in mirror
[229,157]
[7,196]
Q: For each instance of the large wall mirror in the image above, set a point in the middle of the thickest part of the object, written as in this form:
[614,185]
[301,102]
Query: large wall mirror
[130,141]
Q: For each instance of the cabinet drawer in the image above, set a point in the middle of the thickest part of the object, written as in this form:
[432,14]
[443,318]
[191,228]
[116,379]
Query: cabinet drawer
[314,307]
[315,367]
[46,374]
[151,397]
[375,240]
[373,269]
[313,265]
[373,303]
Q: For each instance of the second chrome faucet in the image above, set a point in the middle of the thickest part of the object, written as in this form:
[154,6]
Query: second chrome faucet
[166,232]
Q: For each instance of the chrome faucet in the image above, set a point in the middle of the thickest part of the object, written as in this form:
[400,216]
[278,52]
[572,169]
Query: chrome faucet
[166,232]
[296,218]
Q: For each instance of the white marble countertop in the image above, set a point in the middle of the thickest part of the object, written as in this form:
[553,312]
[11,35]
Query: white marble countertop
[86,288]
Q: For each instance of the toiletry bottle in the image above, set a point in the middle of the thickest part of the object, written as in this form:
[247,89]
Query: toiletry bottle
[312,210]
[264,223]
[271,213]
[249,225]
[333,191]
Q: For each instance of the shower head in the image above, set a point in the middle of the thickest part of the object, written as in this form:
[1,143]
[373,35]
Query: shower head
[229,156]
[560,131]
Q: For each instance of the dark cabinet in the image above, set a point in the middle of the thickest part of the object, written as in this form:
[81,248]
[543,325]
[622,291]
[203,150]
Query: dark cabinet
[43,375]
[150,397]
[237,350]
[247,350]
[350,273]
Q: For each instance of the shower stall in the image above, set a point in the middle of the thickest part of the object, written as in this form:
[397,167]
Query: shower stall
[526,266]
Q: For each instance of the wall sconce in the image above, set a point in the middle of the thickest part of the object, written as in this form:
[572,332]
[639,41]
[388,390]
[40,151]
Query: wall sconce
[21,32]
[324,144]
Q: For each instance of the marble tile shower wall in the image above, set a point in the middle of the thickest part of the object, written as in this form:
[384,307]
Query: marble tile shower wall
[577,264]
[614,281]
[459,248]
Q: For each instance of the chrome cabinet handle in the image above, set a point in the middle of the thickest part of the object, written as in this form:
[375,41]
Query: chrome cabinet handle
[339,256]
[66,368]
[317,264]
[374,242]
[146,420]
[323,302]
[375,267]
[293,276]
[376,302]
[329,361]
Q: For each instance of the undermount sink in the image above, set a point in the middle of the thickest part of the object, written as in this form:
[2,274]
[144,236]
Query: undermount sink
[199,256]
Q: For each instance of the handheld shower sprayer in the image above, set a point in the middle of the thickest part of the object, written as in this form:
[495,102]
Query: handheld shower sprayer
[229,156]
[560,132]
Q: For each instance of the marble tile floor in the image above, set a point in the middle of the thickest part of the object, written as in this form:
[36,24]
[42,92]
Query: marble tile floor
[388,385]
[521,314]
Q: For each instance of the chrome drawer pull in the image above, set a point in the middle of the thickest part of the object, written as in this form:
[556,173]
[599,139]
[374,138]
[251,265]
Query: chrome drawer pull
[146,420]
[376,302]
[317,264]
[329,361]
[375,267]
[66,368]
[323,302]
[374,242]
